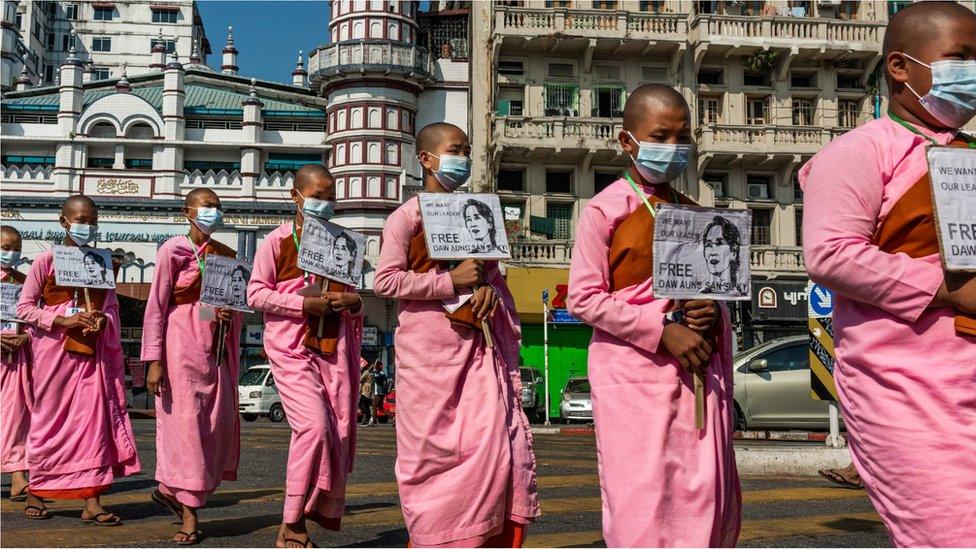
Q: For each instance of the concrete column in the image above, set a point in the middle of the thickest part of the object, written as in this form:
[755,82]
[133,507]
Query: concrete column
[119,163]
[170,158]
[252,126]
[229,65]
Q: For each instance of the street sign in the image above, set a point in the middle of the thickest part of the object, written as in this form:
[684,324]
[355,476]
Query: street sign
[371,336]
[821,301]
[254,334]
[545,296]
[562,316]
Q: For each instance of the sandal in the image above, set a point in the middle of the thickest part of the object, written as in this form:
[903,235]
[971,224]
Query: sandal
[22,496]
[94,520]
[41,515]
[306,543]
[192,538]
[167,504]
[833,476]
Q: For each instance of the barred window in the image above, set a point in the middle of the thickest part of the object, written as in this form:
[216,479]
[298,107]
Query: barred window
[847,111]
[761,221]
[802,112]
[562,99]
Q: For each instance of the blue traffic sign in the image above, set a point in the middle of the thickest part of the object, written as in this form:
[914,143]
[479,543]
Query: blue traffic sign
[821,302]
[562,316]
[545,296]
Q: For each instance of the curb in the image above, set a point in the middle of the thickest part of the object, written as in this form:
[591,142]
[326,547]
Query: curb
[788,436]
[568,431]
[791,461]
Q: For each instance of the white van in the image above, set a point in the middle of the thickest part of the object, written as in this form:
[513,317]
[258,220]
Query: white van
[258,395]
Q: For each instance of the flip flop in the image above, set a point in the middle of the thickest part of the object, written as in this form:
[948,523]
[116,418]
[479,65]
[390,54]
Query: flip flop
[94,520]
[833,476]
[166,503]
[307,543]
[193,538]
[19,497]
[43,516]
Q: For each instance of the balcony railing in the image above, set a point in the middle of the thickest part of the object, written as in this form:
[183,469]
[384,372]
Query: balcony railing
[764,259]
[589,23]
[557,131]
[734,29]
[356,56]
[764,139]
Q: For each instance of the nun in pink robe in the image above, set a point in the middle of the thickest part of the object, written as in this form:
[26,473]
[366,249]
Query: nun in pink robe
[80,435]
[15,397]
[465,467]
[197,416]
[319,392]
[663,482]
[906,379]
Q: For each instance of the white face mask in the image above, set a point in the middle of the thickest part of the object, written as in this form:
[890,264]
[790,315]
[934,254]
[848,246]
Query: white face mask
[952,98]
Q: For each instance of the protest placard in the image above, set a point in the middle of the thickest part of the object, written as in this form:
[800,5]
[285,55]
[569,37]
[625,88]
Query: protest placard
[953,174]
[9,296]
[83,267]
[332,251]
[702,253]
[225,283]
[464,226]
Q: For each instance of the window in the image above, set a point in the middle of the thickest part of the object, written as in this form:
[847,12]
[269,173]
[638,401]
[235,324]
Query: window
[847,10]
[784,359]
[561,215]
[71,12]
[100,162]
[560,70]
[802,112]
[797,190]
[170,45]
[289,161]
[102,43]
[559,181]
[761,220]
[798,220]
[37,30]
[562,100]
[205,165]
[557,3]
[751,78]
[608,72]
[753,7]
[708,110]
[604,4]
[850,81]
[104,14]
[609,101]
[511,68]
[602,180]
[655,6]
[717,181]
[758,187]
[18,160]
[757,111]
[510,102]
[800,8]
[654,74]
[511,179]
[803,80]
[49,73]
[165,16]
[50,40]
[711,76]
[847,112]
[65,42]
[52,9]
[138,163]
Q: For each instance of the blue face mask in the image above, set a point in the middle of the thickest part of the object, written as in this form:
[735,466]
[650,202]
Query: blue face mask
[660,162]
[9,257]
[454,171]
[952,98]
[82,234]
[208,220]
[314,207]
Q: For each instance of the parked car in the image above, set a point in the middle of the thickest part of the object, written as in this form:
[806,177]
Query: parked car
[772,387]
[533,395]
[576,404]
[258,395]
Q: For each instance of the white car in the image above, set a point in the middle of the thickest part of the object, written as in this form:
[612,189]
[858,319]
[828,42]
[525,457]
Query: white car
[258,395]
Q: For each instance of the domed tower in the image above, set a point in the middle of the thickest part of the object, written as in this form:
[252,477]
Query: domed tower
[371,73]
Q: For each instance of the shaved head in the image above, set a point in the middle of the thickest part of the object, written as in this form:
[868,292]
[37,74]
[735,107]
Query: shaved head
[9,232]
[919,23]
[648,98]
[433,135]
[199,196]
[312,174]
[78,203]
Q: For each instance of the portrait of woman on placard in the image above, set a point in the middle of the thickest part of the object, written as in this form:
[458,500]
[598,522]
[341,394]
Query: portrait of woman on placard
[343,257]
[479,220]
[95,268]
[238,286]
[721,244]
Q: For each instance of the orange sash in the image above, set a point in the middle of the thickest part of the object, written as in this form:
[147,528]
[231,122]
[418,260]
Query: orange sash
[76,340]
[191,292]
[910,228]
[287,269]
[420,262]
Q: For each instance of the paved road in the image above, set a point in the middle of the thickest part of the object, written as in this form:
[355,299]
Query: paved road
[779,512]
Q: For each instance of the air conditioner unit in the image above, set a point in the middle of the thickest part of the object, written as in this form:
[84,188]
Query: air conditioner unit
[757,191]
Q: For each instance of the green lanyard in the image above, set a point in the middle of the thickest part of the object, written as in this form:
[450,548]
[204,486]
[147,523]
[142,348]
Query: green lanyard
[298,247]
[195,254]
[910,127]
[643,196]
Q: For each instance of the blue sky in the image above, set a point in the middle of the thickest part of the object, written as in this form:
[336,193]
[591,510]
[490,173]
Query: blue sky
[268,33]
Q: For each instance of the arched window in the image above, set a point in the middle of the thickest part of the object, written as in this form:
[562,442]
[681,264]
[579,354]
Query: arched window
[375,118]
[355,187]
[358,29]
[373,187]
[344,31]
[342,120]
[391,118]
[373,156]
[359,5]
[393,31]
[391,187]
[391,154]
[376,29]
[340,155]
[356,153]
[357,118]
[341,187]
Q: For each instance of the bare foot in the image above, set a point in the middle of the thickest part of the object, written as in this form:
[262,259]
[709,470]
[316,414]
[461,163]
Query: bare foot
[35,509]
[94,511]
[188,533]
[18,484]
[293,535]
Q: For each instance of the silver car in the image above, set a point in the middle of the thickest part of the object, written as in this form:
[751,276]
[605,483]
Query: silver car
[772,387]
[576,404]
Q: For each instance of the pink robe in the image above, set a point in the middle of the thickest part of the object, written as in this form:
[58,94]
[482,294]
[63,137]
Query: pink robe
[319,392]
[464,448]
[198,423]
[663,482]
[15,402]
[80,435]
[906,380]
